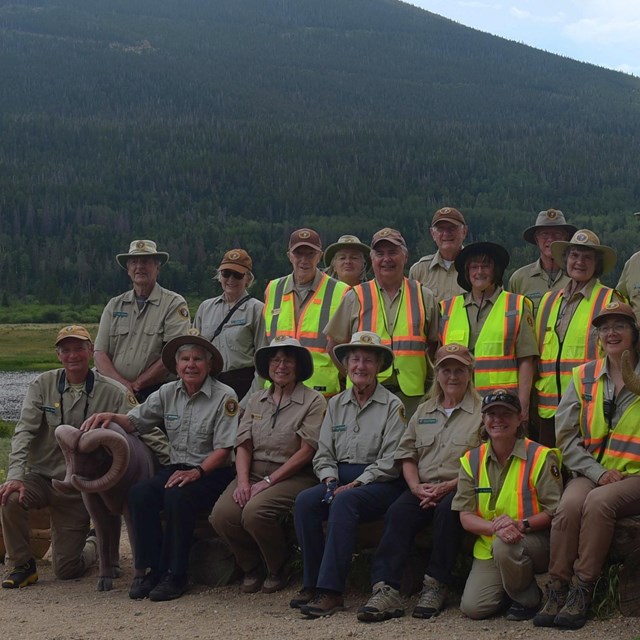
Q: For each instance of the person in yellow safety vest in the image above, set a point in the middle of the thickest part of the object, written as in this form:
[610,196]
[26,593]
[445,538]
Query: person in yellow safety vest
[598,431]
[508,491]
[299,306]
[495,325]
[400,310]
[564,331]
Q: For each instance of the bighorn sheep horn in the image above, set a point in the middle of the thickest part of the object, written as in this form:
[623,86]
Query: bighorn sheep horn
[67,437]
[631,379]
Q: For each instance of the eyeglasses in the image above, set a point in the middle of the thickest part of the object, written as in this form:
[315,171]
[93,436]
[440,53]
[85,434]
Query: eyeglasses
[228,273]
[286,362]
[618,327]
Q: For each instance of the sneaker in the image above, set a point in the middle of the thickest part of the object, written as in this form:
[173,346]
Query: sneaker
[432,598]
[21,576]
[142,586]
[574,613]
[303,597]
[518,612]
[324,604]
[252,581]
[556,595]
[384,604]
[275,581]
[170,587]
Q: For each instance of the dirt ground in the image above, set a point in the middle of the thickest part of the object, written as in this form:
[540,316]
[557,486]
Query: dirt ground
[74,610]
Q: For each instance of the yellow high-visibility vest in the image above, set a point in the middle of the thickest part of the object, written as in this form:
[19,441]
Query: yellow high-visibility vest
[409,340]
[580,344]
[495,349]
[616,449]
[279,315]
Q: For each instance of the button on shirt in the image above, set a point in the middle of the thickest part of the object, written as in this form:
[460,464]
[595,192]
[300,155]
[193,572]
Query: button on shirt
[242,335]
[196,425]
[276,439]
[436,442]
[133,339]
[432,272]
[367,435]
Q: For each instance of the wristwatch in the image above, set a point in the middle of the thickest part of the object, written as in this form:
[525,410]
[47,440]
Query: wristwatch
[526,524]
[267,479]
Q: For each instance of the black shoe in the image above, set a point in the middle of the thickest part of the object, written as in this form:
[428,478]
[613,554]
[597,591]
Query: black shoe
[21,576]
[518,612]
[170,587]
[142,586]
[304,596]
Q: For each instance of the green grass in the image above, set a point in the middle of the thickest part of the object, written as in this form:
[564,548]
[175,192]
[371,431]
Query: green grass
[60,314]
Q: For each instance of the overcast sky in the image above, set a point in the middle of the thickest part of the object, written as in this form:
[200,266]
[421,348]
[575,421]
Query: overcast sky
[603,32]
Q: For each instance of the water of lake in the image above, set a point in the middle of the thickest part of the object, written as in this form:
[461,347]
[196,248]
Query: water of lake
[13,387]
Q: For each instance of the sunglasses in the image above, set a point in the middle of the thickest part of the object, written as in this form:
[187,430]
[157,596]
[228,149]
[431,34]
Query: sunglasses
[228,273]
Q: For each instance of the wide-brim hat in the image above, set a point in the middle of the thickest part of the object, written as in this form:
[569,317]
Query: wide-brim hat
[365,340]
[589,240]
[142,249]
[499,254]
[347,242]
[191,337]
[615,308]
[548,218]
[304,361]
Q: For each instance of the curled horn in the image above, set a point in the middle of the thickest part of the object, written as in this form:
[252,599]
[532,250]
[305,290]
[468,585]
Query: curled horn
[631,379]
[67,437]
[117,446]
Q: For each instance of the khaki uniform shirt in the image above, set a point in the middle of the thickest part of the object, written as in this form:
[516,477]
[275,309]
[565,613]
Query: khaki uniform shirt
[432,272]
[242,335]
[533,281]
[196,425]
[629,283]
[133,339]
[276,433]
[367,435]
[526,343]
[568,437]
[436,442]
[548,488]
[34,447]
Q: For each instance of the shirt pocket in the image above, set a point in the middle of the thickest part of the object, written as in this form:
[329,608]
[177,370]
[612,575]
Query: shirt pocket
[424,441]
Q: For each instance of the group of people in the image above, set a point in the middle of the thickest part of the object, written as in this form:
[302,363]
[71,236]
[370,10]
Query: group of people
[438,399]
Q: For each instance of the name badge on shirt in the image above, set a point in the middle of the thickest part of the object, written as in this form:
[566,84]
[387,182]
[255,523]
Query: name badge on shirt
[49,409]
[275,312]
[483,490]
[319,388]
[171,416]
[238,322]
[587,397]
[338,428]
[427,421]
[120,314]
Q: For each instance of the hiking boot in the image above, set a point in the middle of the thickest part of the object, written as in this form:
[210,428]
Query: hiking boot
[518,612]
[21,576]
[252,581]
[275,581]
[385,603]
[574,613]
[555,597]
[432,598]
[142,586]
[170,587]
[303,597]
[324,604]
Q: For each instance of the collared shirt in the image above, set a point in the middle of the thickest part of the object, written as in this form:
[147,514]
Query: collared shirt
[432,272]
[526,343]
[568,436]
[569,303]
[435,442]
[367,435]
[196,425]
[276,432]
[533,281]
[301,293]
[34,447]
[629,283]
[548,487]
[242,335]
[344,322]
[133,339]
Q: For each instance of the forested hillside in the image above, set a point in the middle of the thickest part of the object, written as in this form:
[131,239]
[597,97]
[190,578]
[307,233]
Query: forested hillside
[208,124]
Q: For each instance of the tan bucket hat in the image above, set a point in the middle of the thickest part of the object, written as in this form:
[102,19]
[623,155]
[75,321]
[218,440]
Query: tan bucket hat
[587,239]
[365,340]
[191,337]
[347,242]
[142,248]
[548,218]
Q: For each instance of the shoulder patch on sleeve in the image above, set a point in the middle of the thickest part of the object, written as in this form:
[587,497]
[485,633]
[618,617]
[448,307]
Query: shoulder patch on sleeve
[555,472]
[183,311]
[131,399]
[231,407]
[403,413]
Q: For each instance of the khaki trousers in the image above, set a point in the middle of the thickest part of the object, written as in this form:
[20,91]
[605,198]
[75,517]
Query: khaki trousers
[256,532]
[70,552]
[582,529]
[510,572]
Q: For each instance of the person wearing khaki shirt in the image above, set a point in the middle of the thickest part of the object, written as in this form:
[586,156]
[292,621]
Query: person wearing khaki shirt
[437,271]
[277,439]
[135,325]
[60,396]
[629,282]
[441,430]
[358,475]
[545,274]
